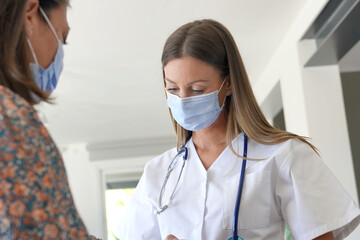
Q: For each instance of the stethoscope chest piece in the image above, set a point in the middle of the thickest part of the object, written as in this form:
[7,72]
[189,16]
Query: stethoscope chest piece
[238,238]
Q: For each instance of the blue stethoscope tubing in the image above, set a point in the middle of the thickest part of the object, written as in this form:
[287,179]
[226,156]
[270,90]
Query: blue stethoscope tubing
[185,157]
[239,193]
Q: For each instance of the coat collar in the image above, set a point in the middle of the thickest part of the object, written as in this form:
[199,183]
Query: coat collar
[225,163]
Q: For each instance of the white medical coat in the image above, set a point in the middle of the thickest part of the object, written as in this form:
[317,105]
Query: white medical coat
[292,186]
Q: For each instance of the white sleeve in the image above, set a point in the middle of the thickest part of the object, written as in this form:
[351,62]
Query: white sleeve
[139,222]
[311,199]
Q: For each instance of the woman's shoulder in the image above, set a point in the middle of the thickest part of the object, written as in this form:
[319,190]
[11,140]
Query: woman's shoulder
[281,152]
[7,94]
[12,106]
[19,122]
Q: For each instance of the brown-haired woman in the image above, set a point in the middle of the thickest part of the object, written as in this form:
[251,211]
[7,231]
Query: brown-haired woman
[35,199]
[219,125]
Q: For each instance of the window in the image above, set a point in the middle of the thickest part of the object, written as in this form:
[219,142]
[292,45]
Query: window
[117,197]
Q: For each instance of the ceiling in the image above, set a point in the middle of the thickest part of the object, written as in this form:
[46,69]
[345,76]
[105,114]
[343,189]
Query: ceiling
[111,88]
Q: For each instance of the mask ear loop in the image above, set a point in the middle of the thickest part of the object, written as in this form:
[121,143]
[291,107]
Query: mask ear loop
[223,104]
[32,51]
[52,29]
[222,84]
[49,23]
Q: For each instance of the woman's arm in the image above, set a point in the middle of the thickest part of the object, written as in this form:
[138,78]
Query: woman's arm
[171,237]
[326,236]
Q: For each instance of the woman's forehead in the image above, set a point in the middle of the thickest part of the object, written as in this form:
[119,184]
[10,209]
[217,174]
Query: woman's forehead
[189,69]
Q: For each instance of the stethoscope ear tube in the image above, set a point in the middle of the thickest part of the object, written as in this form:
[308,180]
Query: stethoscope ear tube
[161,208]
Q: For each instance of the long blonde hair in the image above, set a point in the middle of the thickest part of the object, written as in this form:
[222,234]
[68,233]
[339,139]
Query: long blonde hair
[209,41]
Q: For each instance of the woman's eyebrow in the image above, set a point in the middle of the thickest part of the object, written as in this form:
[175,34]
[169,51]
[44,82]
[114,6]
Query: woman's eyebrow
[197,81]
[168,80]
[190,83]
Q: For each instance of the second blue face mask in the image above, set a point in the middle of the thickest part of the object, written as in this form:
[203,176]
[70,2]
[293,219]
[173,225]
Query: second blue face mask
[47,79]
[197,112]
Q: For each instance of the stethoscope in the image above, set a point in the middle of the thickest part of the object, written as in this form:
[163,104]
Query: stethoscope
[184,150]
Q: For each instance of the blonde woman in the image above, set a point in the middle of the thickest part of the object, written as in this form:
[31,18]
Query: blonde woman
[230,167]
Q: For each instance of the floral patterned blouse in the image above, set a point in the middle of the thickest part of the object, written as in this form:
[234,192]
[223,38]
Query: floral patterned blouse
[35,199]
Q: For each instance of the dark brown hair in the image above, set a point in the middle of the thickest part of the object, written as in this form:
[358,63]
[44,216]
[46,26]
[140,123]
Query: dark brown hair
[209,41]
[15,72]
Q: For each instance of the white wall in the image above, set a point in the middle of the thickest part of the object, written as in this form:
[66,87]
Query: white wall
[327,122]
[312,99]
[86,183]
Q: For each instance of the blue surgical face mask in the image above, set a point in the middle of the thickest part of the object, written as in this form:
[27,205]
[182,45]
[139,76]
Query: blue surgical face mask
[47,79]
[197,112]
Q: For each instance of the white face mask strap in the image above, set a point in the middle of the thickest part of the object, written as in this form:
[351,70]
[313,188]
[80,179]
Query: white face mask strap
[222,84]
[52,29]
[223,104]
[32,51]
[48,22]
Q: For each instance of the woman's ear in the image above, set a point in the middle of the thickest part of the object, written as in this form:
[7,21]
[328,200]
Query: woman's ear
[31,16]
[228,86]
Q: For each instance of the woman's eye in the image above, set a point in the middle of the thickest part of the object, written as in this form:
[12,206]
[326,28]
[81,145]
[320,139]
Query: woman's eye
[171,89]
[197,91]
